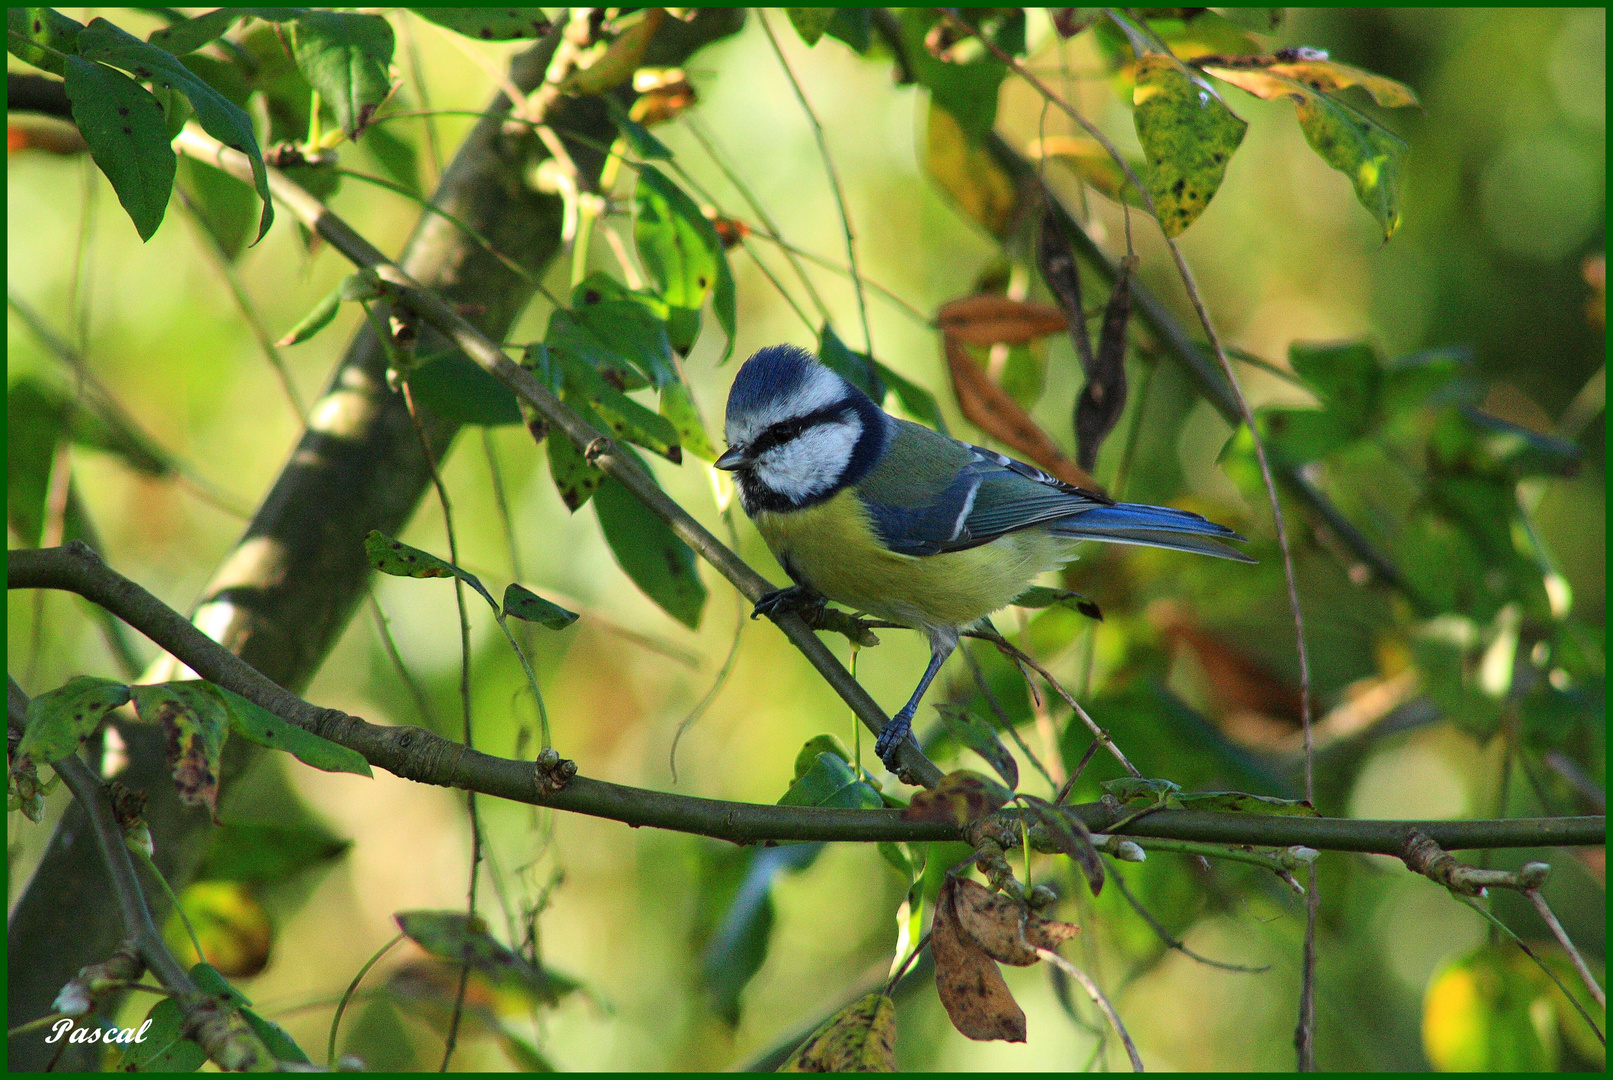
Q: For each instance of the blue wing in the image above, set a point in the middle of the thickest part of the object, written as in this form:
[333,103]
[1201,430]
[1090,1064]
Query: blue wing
[931,494]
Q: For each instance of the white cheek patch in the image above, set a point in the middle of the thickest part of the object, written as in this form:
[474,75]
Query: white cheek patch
[809,464]
[820,389]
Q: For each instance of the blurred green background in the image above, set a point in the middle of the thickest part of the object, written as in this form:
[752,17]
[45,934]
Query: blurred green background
[1504,219]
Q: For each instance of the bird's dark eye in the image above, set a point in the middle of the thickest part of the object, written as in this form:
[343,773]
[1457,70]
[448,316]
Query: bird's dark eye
[786,430]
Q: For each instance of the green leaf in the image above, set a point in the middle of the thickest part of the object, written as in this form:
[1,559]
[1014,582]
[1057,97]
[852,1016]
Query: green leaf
[47,27]
[1241,803]
[819,744]
[219,117]
[276,1038]
[968,173]
[677,405]
[859,1038]
[919,403]
[736,891]
[527,605]
[163,1049]
[1466,439]
[1261,19]
[457,388]
[316,320]
[645,146]
[1040,596]
[127,137]
[61,719]
[258,853]
[1346,375]
[188,35]
[853,26]
[680,248]
[1131,788]
[621,337]
[830,781]
[859,369]
[345,56]
[648,551]
[1188,135]
[398,559]
[196,721]
[1493,1009]
[1368,153]
[489,24]
[396,156]
[979,736]
[256,724]
[89,423]
[967,90]
[234,931]
[1410,381]
[464,939]
[225,206]
[573,477]
[34,430]
[623,416]
[810,23]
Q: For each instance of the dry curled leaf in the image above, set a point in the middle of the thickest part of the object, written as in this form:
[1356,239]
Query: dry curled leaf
[1003,927]
[977,1000]
[986,319]
[859,1038]
[959,798]
[990,408]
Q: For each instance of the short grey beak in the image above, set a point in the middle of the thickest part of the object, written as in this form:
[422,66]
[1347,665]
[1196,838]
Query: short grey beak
[733,459]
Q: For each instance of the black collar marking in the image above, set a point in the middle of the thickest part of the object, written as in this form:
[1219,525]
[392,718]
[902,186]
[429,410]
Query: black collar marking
[756,496]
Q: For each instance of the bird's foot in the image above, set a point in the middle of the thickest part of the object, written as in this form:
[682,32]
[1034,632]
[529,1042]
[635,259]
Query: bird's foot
[892,736]
[796,598]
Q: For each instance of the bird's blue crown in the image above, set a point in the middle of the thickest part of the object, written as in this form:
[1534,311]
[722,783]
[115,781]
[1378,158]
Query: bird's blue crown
[771,375]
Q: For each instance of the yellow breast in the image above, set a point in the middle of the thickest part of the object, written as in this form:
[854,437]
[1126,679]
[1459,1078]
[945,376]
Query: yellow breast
[834,547]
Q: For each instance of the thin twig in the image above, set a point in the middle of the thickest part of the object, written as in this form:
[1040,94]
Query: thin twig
[109,405]
[722,673]
[1567,943]
[502,502]
[226,269]
[347,996]
[1173,942]
[391,646]
[708,144]
[1002,718]
[465,704]
[1092,725]
[1491,918]
[834,180]
[1102,1002]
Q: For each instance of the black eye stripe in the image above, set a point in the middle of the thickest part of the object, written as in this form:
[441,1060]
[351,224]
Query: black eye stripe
[786,430]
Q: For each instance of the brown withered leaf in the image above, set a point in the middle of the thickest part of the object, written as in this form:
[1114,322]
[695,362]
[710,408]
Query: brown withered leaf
[1103,398]
[958,799]
[986,319]
[1002,927]
[859,1038]
[977,1000]
[1056,260]
[988,407]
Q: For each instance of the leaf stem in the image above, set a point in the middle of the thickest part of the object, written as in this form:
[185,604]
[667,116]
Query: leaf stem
[834,180]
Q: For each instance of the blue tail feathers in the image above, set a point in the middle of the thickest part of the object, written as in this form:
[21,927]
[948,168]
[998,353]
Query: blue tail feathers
[1151,526]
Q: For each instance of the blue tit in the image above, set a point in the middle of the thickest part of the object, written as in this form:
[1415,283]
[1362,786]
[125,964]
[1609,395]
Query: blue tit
[903,523]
